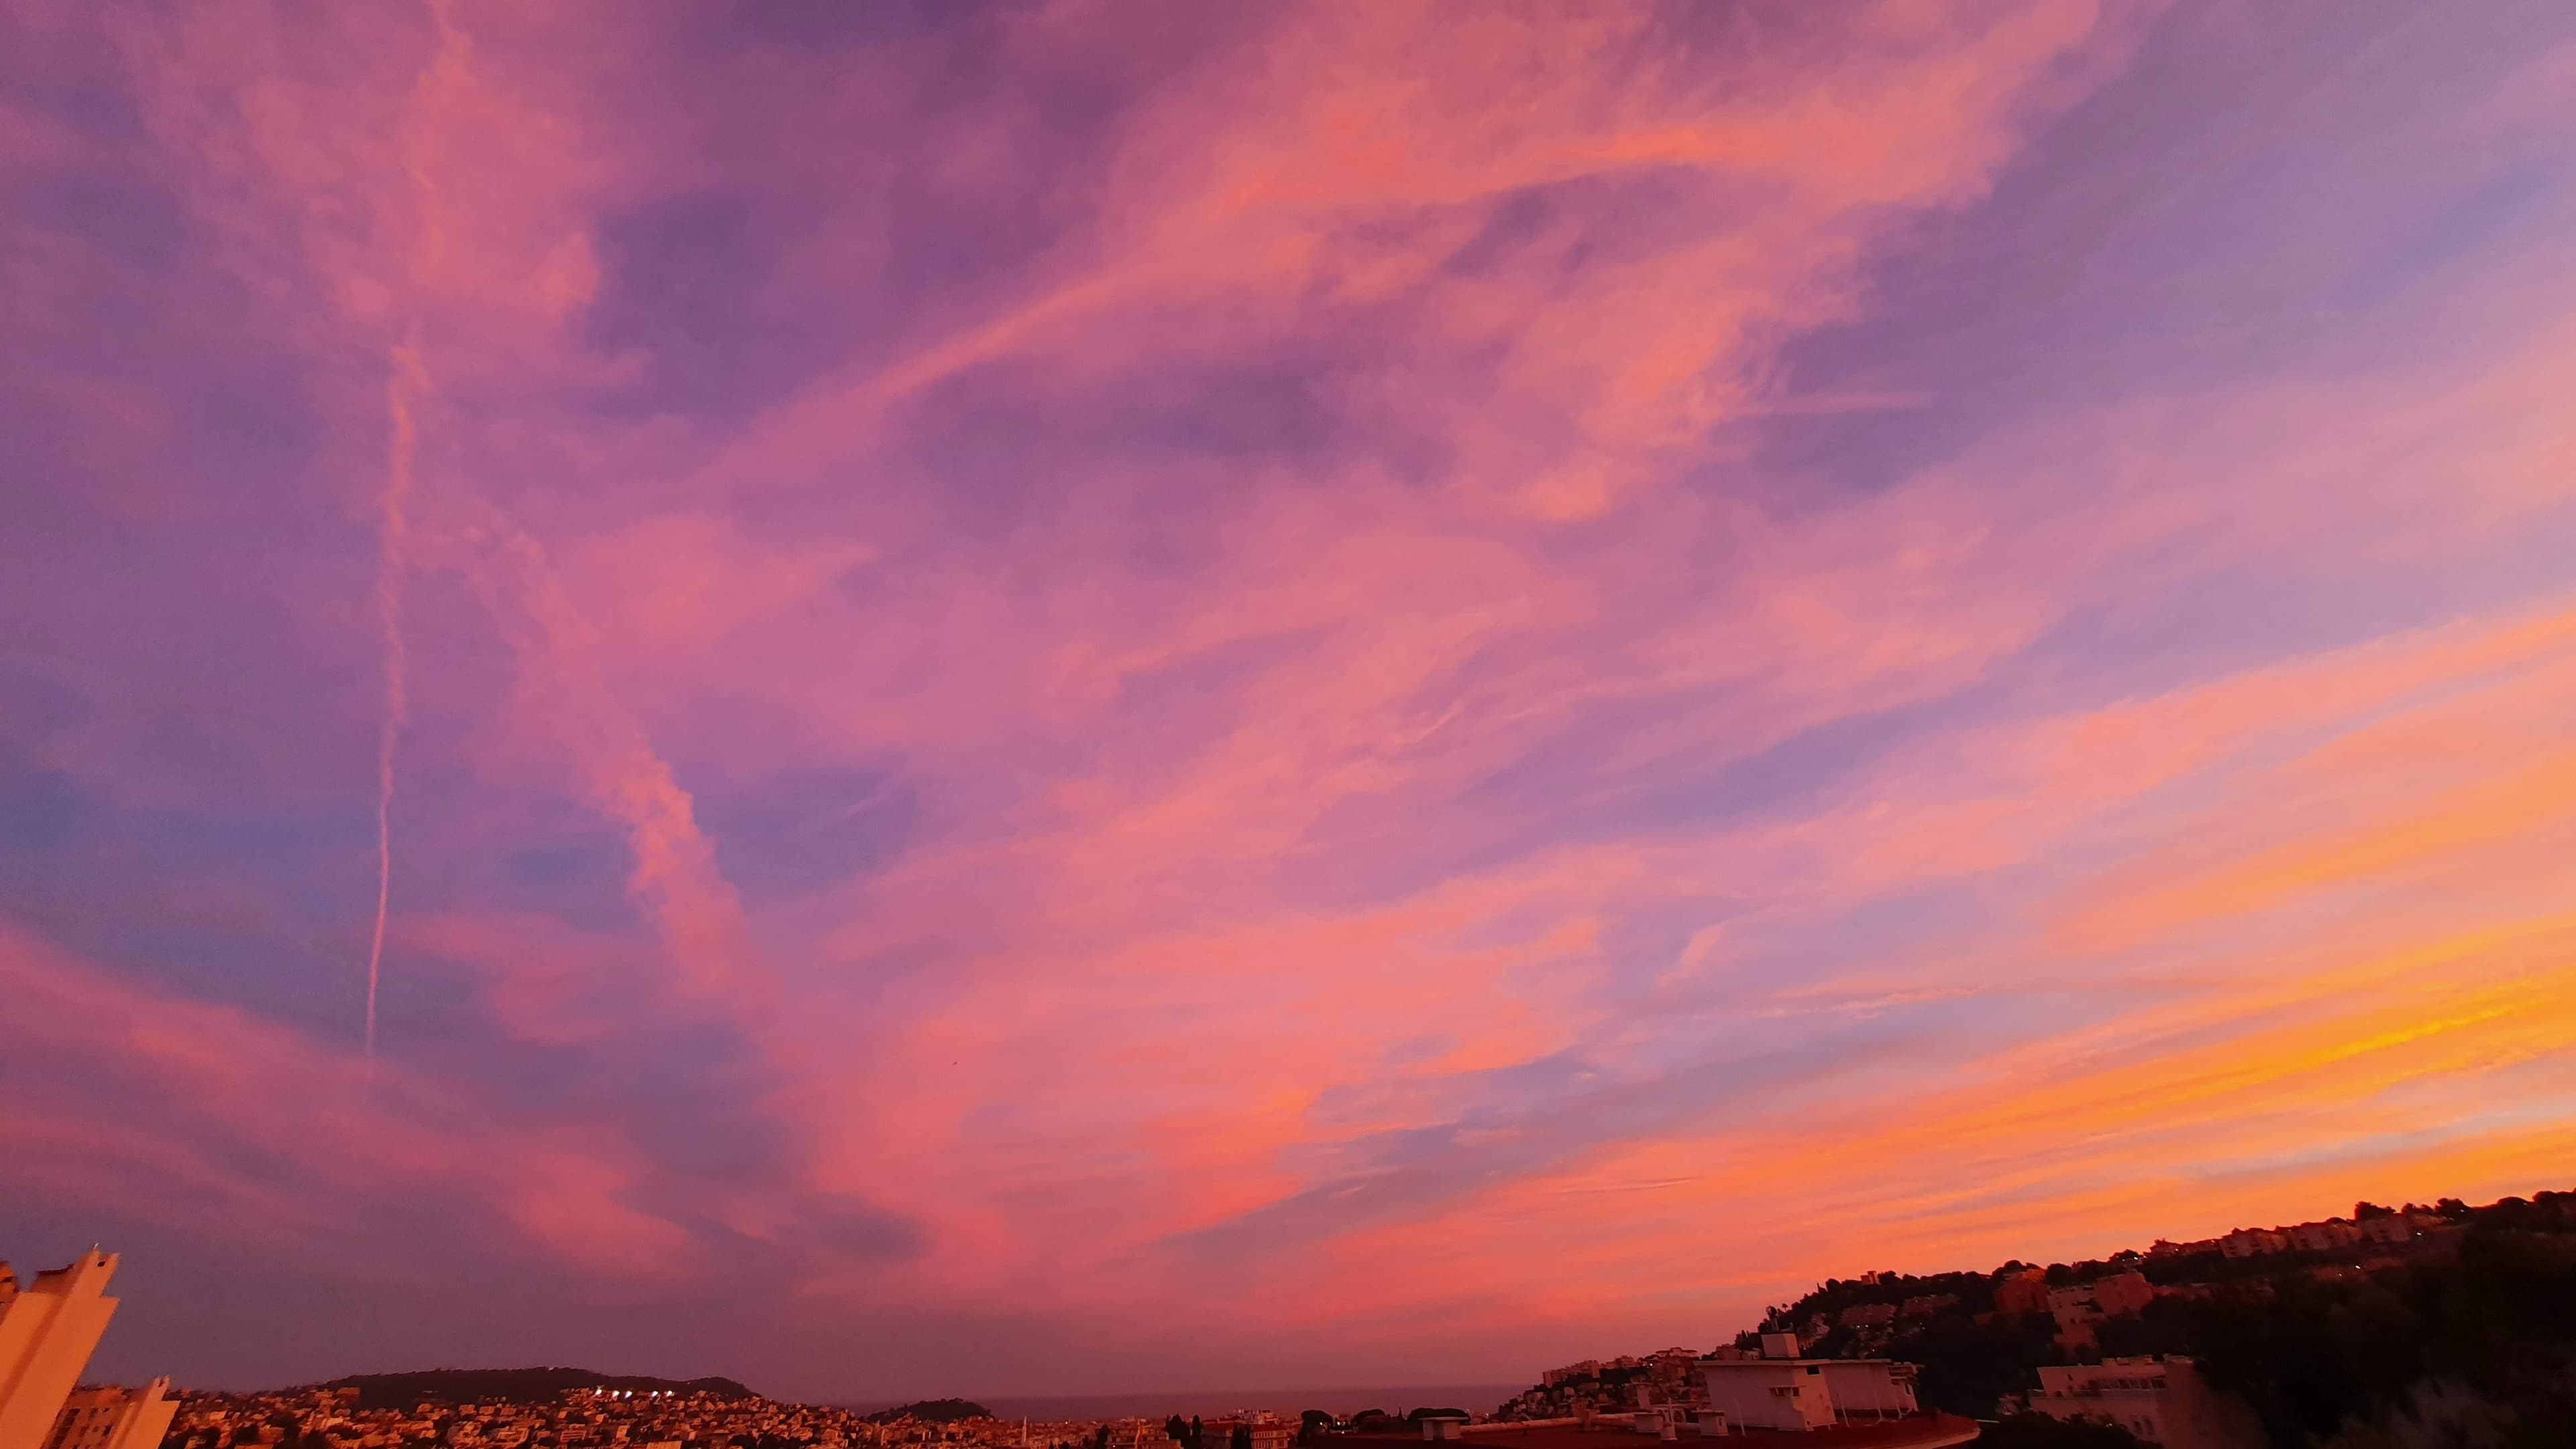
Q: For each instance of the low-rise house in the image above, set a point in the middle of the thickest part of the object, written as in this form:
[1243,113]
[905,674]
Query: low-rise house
[2160,1399]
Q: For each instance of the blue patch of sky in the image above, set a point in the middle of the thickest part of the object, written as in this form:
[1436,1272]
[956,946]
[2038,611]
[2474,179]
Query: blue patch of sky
[807,828]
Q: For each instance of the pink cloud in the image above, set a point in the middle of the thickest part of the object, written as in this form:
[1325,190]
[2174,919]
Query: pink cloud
[185,1113]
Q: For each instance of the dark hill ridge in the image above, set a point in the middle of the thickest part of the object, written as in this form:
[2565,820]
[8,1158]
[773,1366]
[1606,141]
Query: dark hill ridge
[515,1386]
[933,1411]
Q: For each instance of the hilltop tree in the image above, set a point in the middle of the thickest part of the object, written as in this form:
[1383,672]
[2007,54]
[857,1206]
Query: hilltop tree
[1968,1365]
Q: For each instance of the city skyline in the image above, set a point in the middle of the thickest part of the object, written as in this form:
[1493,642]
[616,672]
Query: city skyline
[1036,698]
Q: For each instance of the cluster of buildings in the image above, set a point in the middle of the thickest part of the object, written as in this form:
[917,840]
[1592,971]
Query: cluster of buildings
[2162,1400]
[333,1418]
[1251,1429]
[2077,1307]
[48,1328]
[2388,1230]
[1597,1386]
[1872,1325]
[1678,1393]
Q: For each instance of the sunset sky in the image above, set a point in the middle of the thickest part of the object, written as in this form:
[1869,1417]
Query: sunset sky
[1097,696]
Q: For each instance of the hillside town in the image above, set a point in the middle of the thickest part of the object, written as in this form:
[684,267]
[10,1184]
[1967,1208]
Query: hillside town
[595,1418]
[1876,1309]
[1886,1359]
[2096,1343]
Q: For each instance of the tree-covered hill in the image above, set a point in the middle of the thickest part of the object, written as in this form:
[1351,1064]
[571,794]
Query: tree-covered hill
[933,1411]
[2476,1331]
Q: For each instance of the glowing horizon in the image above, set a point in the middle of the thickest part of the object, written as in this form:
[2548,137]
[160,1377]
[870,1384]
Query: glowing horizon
[1038,699]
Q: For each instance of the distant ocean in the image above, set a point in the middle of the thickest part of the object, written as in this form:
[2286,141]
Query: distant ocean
[1477,1398]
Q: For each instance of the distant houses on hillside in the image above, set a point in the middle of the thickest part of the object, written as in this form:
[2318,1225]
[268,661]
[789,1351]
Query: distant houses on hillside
[2111,1341]
[2385,1228]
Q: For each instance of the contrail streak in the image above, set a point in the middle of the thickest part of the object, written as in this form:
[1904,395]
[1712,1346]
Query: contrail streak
[393,541]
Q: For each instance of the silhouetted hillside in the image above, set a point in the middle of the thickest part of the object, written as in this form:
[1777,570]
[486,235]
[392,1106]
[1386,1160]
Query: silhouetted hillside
[936,1411]
[2487,1338]
[520,1385]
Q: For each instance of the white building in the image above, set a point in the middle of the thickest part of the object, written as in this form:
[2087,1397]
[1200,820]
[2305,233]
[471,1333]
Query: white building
[1867,1390]
[1781,1390]
[2162,1399]
[46,1334]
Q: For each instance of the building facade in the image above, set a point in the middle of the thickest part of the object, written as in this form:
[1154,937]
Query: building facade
[113,1418]
[1783,1391]
[2161,1399]
[47,1330]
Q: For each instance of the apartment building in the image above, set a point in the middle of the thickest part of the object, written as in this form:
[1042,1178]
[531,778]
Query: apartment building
[47,1331]
[1781,1390]
[114,1418]
[2161,1399]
